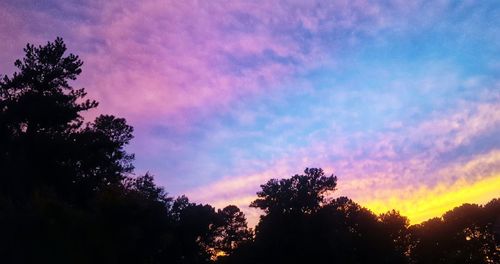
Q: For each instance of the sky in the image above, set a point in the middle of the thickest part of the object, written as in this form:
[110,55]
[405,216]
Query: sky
[399,99]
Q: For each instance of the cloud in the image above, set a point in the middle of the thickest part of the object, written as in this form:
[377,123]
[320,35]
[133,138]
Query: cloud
[403,170]
[225,95]
[175,61]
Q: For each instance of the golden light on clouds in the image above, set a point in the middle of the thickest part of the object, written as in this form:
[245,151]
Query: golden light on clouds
[476,180]
[426,203]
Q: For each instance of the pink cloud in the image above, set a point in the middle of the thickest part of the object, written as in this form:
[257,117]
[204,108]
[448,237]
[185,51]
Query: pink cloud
[167,60]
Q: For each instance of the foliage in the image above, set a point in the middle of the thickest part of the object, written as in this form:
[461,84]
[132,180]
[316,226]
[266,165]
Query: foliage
[232,231]
[467,234]
[299,194]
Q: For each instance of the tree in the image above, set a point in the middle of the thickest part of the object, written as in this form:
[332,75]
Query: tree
[396,226]
[299,194]
[302,226]
[194,231]
[39,98]
[44,144]
[464,234]
[283,233]
[57,172]
[492,217]
[145,186]
[38,109]
[233,230]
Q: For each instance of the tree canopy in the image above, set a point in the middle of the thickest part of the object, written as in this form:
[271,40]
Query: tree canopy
[300,193]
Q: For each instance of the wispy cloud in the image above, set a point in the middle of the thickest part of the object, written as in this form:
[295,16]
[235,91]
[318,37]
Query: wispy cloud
[400,99]
[415,169]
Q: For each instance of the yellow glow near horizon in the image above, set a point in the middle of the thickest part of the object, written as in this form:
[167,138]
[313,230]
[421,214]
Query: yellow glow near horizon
[426,203]
[417,204]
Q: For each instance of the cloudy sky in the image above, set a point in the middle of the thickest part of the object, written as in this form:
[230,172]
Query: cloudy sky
[399,99]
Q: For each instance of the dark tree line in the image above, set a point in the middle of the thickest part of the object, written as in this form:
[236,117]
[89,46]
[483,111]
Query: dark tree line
[301,225]
[68,195]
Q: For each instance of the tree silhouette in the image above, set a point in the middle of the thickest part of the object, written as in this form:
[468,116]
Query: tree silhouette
[194,231]
[38,98]
[300,193]
[233,230]
[301,226]
[45,147]
[396,227]
[465,234]
[145,186]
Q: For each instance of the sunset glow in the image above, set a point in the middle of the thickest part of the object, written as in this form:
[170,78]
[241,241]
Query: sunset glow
[399,99]
[424,204]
